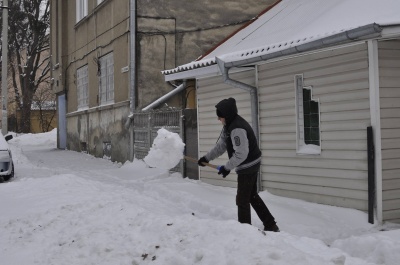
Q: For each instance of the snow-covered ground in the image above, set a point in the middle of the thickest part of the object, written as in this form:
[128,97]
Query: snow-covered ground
[65,207]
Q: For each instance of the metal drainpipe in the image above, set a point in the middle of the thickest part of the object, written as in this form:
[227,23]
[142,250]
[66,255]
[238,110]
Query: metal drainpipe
[4,88]
[132,81]
[254,99]
[253,93]
[132,49]
[167,96]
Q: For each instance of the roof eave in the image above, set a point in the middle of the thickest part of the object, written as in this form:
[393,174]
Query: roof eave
[212,70]
[364,32]
[391,31]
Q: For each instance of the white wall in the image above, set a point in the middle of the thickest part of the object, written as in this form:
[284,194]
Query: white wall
[338,176]
[209,92]
[389,77]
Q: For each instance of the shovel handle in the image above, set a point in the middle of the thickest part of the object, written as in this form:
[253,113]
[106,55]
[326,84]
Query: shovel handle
[194,160]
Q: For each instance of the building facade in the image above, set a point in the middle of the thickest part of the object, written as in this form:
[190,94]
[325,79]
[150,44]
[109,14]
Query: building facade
[107,58]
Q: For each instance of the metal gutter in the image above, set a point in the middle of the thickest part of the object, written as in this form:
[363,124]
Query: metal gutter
[167,96]
[364,32]
[391,31]
[211,70]
[368,31]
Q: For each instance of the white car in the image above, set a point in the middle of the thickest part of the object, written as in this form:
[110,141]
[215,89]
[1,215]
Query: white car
[6,162]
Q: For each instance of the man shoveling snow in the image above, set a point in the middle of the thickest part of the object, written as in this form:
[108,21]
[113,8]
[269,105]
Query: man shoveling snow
[238,139]
[166,151]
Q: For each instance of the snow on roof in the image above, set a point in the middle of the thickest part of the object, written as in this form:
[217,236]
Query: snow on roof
[291,23]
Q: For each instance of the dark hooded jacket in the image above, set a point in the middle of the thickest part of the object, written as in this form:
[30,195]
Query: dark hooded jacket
[238,139]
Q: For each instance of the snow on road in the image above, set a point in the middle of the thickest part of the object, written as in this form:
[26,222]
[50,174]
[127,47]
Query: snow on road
[65,207]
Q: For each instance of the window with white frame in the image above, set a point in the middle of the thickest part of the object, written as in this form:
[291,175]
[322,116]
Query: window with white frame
[308,119]
[82,86]
[81,9]
[106,84]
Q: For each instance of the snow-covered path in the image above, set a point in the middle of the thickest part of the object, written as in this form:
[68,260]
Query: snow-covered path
[65,207]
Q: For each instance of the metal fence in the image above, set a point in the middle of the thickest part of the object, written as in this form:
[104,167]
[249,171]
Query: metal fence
[146,125]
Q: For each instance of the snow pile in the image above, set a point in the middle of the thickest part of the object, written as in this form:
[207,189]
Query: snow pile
[38,139]
[378,248]
[166,151]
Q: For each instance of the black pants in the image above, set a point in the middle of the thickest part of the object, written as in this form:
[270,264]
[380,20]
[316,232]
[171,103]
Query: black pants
[247,195]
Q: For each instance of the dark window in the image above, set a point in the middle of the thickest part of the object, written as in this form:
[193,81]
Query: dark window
[311,118]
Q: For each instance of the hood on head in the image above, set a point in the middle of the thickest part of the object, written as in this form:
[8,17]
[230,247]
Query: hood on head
[227,109]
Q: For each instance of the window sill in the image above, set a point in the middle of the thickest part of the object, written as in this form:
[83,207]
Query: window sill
[309,149]
[80,22]
[83,108]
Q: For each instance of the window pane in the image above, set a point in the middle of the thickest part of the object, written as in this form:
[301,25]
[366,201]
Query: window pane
[107,78]
[81,9]
[307,110]
[314,120]
[307,120]
[82,86]
[306,94]
[314,134]
[314,107]
[306,106]
[307,133]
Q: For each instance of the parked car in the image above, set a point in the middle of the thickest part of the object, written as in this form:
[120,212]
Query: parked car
[6,162]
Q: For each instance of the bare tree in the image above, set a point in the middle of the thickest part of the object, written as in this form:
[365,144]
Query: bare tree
[29,22]
[44,102]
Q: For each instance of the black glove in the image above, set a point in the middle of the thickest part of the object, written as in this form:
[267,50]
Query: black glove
[222,171]
[202,160]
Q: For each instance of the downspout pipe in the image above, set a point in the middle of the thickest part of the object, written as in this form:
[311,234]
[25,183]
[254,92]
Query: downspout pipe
[4,61]
[167,96]
[253,98]
[132,49]
[132,75]
[253,93]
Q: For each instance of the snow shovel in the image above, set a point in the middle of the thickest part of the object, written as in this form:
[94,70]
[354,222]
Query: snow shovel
[194,160]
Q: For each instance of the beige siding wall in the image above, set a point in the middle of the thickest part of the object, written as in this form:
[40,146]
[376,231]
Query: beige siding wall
[338,176]
[209,92]
[389,74]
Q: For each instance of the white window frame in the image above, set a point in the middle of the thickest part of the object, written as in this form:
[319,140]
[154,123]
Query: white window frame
[82,87]
[81,9]
[106,79]
[302,147]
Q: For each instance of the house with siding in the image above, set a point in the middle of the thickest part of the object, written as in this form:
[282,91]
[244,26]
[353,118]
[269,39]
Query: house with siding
[312,76]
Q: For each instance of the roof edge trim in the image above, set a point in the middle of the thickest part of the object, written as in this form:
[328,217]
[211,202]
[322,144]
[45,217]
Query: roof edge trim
[367,31]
